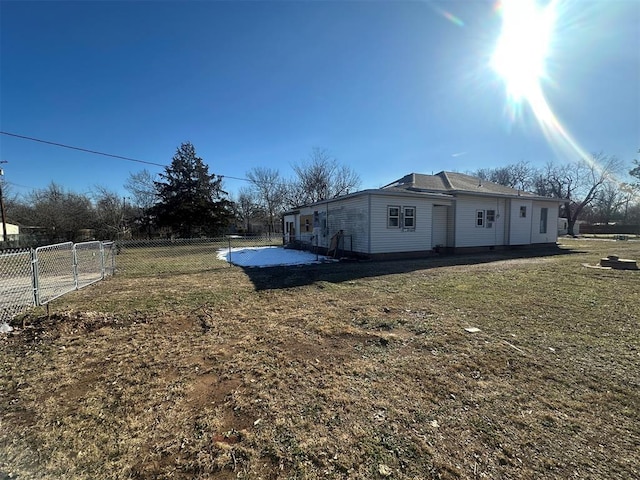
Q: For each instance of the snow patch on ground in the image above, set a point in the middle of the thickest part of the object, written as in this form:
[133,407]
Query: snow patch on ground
[269,256]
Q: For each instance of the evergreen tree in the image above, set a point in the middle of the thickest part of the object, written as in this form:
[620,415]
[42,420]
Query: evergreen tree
[191,201]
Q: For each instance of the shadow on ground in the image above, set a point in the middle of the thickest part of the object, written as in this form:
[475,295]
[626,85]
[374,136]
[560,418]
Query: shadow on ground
[268,278]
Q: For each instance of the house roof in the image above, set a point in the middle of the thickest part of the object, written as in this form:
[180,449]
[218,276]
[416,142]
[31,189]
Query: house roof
[452,182]
[442,186]
[442,197]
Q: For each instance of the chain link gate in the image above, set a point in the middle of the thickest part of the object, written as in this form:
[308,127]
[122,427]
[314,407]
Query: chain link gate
[31,278]
[55,272]
[16,284]
[88,263]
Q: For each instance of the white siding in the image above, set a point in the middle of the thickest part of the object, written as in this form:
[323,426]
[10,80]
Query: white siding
[391,240]
[520,227]
[467,234]
[551,236]
[363,220]
[351,215]
[295,218]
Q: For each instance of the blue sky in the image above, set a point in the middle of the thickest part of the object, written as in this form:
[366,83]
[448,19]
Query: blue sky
[387,87]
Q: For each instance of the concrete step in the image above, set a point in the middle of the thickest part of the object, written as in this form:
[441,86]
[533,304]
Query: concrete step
[617,263]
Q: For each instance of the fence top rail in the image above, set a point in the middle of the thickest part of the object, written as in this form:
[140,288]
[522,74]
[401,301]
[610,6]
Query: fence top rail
[15,252]
[92,242]
[55,245]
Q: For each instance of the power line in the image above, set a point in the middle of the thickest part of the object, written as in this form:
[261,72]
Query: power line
[24,137]
[111,155]
[18,185]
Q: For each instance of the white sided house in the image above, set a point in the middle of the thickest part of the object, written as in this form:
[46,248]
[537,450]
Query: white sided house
[12,231]
[419,215]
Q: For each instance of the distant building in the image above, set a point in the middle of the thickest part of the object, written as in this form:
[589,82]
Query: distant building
[563,227]
[13,233]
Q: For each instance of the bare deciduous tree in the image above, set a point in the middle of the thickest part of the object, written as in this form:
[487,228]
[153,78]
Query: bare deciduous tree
[247,208]
[635,171]
[609,202]
[321,177]
[269,191]
[110,213]
[59,213]
[141,186]
[579,182]
[518,175]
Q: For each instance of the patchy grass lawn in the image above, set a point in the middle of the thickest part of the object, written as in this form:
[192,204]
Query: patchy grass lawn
[352,370]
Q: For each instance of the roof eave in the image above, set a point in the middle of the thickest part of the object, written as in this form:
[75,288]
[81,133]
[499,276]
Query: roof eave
[376,191]
[508,195]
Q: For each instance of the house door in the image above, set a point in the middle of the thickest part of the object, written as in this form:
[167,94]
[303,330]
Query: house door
[439,226]
[291,232]
[520,222]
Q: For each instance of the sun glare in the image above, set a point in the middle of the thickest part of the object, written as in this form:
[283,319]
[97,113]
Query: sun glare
[520,59]
[523,47]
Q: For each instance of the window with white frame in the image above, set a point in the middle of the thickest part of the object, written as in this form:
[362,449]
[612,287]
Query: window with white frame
[401,217]
[523,211]
[393,217]
[485,218]
[409,218]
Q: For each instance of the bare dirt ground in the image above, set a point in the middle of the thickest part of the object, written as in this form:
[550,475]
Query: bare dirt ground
[343,371]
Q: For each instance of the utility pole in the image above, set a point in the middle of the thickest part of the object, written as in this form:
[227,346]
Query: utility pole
[4,218]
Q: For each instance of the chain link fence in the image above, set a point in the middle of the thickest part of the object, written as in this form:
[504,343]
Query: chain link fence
[16,283]
[186,255]
[30,278]
[109,254]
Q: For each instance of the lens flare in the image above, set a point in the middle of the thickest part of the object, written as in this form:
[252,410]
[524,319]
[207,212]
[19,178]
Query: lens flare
[453,19]
[448,15]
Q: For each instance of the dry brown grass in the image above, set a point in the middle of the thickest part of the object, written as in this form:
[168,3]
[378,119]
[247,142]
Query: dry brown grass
[334,371]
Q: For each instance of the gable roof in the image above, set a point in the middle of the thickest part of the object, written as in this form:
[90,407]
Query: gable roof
[451,182]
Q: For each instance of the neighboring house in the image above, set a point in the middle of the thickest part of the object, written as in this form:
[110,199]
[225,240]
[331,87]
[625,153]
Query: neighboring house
[13,231]
[418,215]
[563,227]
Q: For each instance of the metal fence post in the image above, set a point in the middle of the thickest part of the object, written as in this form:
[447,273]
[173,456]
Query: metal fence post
[229,255]
[75,265]
[102,259]
[34,277]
